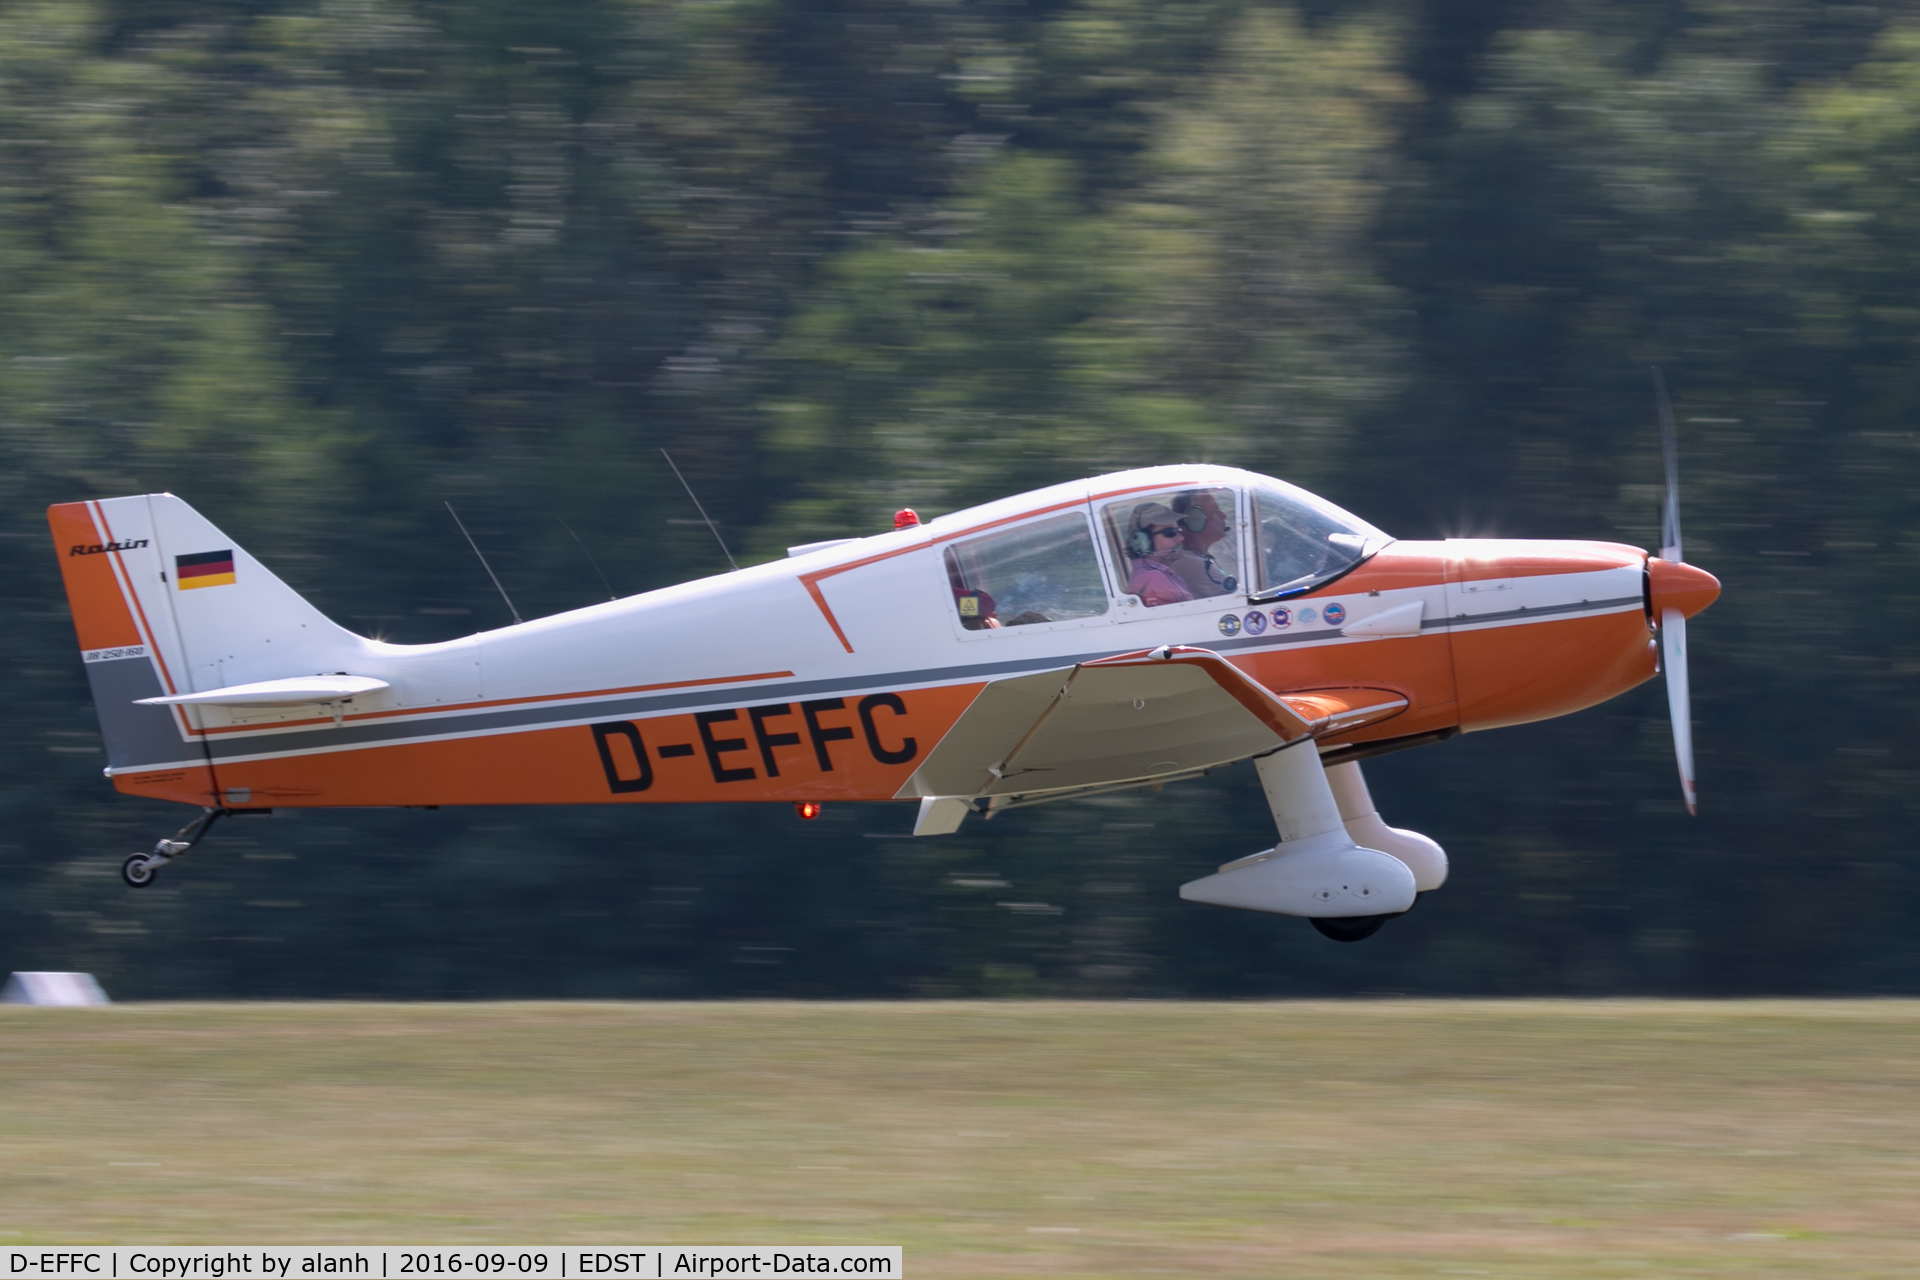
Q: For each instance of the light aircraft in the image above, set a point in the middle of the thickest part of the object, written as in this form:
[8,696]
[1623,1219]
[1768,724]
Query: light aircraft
[1125,631]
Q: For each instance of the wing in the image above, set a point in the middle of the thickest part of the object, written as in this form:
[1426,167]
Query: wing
[1125,720]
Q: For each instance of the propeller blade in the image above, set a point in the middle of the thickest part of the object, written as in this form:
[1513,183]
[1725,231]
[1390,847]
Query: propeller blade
[1673,623]
[1670,455]
[1673,660]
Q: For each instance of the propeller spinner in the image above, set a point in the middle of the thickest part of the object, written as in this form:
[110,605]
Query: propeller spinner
[1678,591]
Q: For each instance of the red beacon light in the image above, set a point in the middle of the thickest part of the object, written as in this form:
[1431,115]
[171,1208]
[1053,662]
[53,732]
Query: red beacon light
[905,518]
[808,809]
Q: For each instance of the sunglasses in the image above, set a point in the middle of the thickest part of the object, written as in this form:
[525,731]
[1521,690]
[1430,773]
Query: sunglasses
[1167,533]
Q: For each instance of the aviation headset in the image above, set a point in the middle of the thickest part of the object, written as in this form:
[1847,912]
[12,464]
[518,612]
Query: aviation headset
[1140,542]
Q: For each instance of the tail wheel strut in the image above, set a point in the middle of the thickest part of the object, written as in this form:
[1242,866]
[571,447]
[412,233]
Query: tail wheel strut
[140,869]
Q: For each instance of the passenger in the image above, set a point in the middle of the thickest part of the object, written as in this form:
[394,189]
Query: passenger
[976,609]
[1154,536]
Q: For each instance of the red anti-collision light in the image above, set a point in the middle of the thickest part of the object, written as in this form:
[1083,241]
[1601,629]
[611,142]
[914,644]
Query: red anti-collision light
[808,809]
[905,518]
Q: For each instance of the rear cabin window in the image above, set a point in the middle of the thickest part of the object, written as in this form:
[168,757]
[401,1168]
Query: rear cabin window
[1179,545]
[1039,572]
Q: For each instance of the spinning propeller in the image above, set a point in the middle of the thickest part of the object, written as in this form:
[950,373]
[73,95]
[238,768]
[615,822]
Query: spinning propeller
[1678,590]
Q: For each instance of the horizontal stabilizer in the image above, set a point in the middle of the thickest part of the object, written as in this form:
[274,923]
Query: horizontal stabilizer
[296,692]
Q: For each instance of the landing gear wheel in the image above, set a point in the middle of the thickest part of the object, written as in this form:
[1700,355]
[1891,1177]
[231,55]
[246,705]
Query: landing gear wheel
[1349,928]
[136,871]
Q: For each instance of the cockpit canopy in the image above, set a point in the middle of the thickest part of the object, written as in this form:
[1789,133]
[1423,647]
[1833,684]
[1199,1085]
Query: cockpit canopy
[1177,545]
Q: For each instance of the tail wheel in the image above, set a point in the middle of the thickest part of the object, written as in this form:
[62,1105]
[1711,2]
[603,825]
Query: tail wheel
[137,871]
[1349,928]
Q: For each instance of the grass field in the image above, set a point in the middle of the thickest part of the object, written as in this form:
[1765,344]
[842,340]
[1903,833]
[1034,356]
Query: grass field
[1377,1139]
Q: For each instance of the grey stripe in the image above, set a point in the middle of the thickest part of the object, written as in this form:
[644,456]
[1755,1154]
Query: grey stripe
[638,706]
[134,735]
[1540,611]
[1429,624]
[622,708]
[1267,642]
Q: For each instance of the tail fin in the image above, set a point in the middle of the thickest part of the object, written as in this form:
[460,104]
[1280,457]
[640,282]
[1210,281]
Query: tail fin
[164,603]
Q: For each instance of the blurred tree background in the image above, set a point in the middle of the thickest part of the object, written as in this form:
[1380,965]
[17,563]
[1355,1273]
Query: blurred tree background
[319,266]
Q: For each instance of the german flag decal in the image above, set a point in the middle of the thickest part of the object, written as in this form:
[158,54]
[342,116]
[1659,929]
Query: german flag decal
[208,569]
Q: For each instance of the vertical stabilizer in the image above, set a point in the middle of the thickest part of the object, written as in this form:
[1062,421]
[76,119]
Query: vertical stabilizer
[163,604]
[126,635]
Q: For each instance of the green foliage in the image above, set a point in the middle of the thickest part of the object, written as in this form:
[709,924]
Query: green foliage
[1228,308]
[989,352]
[1253,238]
[137,353]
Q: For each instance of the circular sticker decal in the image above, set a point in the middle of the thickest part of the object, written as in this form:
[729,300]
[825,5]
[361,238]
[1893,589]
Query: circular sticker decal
[1230,625]
[1282,618]
[1255,622]
[1308,615]
[1335,613]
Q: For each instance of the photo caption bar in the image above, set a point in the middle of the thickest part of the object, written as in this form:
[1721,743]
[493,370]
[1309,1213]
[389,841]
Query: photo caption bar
[434,1262]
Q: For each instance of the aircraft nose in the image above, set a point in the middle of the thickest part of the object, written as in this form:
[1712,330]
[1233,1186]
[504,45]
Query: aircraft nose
[1680,586]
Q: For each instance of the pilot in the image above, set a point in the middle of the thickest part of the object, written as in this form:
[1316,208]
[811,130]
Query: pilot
[1154,538]
[1194,560]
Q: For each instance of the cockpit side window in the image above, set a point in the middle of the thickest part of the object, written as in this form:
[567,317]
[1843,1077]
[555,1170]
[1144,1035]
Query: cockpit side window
[1182,544]
[1305,540]
[1040,572]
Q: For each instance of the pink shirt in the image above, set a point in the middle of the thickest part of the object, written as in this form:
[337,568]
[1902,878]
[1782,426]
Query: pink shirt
[1156,584]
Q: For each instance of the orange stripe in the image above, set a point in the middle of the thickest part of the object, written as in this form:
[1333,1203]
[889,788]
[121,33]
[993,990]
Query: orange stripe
[101,619]
[188,784]
[811,581]
[561,765]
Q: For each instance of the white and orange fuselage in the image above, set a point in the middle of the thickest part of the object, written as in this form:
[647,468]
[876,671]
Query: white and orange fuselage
[828,676]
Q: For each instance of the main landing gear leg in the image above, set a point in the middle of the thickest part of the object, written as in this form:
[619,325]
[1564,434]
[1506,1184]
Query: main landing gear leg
[1317,869]
[139,869]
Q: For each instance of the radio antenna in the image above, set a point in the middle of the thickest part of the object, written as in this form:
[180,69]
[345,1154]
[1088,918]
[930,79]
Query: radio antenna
[483,563]
[611,594]
[703,512]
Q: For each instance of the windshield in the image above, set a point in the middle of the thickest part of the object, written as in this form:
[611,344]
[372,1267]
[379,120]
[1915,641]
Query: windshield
[1306,540]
